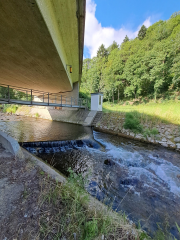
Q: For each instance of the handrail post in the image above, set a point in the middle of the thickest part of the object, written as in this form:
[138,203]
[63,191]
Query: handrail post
[61,100]
[8,95]
[48,99]
[31,96]
[71,101]
[43,97]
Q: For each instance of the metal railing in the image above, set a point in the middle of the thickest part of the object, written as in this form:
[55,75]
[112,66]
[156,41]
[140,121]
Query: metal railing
[15,95]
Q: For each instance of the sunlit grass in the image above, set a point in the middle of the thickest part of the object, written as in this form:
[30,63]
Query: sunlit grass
[166,112]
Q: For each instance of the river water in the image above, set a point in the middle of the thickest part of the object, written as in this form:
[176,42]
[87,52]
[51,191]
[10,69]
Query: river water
[140,179]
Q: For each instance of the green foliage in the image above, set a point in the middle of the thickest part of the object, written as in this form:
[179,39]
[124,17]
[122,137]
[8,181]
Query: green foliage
[7,108]
[37,115]
[145,66]
[178,228]
[126,39]
[150,132]
[142,32]
[132,123]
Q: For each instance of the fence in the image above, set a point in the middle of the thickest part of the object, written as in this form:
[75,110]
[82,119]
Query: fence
[15,95]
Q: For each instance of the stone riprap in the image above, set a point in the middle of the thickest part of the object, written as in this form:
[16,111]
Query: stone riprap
[168,134]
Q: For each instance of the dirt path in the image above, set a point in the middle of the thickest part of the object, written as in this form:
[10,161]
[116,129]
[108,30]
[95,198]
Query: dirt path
[20,193]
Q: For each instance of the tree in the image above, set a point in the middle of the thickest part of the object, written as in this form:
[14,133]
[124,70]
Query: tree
[138,68]
[102,51]
[113,46]
[126,39]
[142,32]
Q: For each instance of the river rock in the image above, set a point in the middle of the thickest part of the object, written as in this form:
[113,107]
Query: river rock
[170,143]
[164,144]
[139,136]
[167,133]
[109,162]
[177,139]
[169,136]
[178,146]
[131,134]
[163,140]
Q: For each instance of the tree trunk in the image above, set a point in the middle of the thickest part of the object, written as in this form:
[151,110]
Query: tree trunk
[118,94]
[112,96]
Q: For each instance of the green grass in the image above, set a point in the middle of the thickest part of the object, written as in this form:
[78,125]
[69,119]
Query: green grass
[76,217]
[166,112]
[7,108]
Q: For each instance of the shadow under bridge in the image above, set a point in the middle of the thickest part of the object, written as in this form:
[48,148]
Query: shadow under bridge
[23,96]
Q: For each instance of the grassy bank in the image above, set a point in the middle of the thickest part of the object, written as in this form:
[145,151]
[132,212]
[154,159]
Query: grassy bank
[77,216]
[160,112]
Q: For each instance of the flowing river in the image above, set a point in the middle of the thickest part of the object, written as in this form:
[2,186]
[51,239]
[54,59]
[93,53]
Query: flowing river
[139,179]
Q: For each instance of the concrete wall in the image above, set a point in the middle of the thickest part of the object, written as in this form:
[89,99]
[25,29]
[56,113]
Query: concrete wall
[63,115]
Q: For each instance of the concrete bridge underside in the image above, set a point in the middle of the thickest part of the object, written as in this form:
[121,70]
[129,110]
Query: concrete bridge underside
[39,38]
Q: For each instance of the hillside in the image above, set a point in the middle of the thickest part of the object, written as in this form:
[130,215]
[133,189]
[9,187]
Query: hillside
[147,66]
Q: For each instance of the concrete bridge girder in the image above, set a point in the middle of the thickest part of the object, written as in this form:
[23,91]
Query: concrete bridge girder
[39,38]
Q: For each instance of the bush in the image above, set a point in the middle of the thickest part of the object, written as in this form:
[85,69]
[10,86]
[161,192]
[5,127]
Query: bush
[10,108]
[154,131]
[132,123]
[127,103]
[136,103]
[37,115]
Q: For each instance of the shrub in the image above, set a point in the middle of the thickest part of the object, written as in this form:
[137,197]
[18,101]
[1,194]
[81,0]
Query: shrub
[37,115]
[149,132]
[154,131]
[136,103]
[132,123]
[10,108]
[127,103]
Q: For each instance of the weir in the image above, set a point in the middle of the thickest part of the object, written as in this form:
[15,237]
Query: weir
[139,179]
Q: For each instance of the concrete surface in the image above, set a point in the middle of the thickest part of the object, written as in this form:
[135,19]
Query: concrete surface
[89,119]
[11,145]
[63,115]
[39,38]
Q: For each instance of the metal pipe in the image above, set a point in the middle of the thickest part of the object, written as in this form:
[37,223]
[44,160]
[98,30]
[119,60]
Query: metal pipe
[48,99]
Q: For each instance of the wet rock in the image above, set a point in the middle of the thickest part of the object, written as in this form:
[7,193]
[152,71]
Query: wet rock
[178,146]
[109,162]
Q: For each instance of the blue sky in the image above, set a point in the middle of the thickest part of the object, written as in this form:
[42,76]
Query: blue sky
[108,20]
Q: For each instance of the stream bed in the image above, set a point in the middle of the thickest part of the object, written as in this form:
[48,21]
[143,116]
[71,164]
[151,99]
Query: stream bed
[142,180]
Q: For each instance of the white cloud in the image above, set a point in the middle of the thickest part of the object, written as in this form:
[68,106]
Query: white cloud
[95,34]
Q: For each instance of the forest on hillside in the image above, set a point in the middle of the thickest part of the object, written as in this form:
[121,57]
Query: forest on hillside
[147,66]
